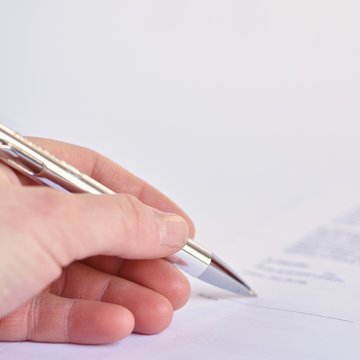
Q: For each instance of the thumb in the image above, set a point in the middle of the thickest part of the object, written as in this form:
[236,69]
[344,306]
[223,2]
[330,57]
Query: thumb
[83,225]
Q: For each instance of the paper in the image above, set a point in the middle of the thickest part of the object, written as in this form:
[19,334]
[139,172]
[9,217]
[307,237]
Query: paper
[307,308]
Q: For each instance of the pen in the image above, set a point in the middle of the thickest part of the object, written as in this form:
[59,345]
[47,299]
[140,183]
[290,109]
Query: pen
[43,167]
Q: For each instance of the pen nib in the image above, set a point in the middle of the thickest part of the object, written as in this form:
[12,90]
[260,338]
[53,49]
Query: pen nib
[252,293]
[218,274]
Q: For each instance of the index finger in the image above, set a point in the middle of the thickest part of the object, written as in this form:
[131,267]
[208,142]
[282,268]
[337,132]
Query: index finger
[112,175]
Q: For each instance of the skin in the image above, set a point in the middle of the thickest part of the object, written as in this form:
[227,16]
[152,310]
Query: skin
[83,268]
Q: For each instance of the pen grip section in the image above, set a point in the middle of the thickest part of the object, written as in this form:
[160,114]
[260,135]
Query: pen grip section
[192,258]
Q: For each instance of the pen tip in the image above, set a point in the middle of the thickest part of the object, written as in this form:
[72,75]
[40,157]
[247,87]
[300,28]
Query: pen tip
[252,293]
[218,274]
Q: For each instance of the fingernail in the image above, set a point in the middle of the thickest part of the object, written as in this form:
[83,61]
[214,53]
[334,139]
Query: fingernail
[173,230]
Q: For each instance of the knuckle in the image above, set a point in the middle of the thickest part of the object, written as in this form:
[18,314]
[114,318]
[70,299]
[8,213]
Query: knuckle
[137,218]
[131,211]
[33,318]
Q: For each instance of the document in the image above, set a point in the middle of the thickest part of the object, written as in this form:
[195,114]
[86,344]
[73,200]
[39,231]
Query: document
[308,304]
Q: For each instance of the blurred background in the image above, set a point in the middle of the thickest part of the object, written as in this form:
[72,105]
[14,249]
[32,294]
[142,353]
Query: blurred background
[238,110]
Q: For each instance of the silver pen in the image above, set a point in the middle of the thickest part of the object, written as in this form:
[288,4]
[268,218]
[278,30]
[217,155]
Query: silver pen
[44,168]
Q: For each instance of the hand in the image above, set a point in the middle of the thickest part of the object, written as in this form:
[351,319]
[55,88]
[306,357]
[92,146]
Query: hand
[86,268]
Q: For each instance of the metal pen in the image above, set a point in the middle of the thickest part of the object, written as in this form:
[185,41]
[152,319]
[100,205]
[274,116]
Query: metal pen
[44,168]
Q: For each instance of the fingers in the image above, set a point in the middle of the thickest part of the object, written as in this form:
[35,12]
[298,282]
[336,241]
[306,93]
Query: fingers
[51,318]
[96,308]
[112,176]
[68,227]
[152,311]
[93,308]
[159,275]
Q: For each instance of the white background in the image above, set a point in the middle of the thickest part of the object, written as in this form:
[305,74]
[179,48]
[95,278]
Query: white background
[238,110]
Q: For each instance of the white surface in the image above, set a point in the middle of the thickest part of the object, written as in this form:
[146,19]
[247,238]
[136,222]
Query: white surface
[240,111]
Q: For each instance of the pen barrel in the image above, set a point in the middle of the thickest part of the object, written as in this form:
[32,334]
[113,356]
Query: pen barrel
[46,169]
[192,258]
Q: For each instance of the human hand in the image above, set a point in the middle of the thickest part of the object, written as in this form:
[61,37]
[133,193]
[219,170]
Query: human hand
[87,268]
